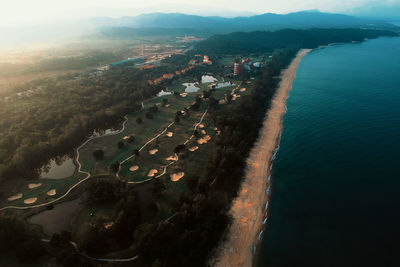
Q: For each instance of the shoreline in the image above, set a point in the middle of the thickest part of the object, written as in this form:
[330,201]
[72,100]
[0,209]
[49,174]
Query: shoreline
[250,209]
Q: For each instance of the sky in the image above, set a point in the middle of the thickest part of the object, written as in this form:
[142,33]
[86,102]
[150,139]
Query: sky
[14,12]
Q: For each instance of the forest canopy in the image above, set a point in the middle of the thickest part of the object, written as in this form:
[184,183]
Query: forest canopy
[267,41]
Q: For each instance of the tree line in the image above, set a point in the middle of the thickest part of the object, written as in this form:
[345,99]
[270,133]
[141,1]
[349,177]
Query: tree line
[61,112]
[267,41]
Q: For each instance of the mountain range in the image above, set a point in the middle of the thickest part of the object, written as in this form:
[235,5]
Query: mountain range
[200,24]
[169,24]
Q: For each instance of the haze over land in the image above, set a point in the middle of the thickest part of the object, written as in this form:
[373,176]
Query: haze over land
[43,22]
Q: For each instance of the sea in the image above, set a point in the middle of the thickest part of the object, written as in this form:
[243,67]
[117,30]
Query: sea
[335,196]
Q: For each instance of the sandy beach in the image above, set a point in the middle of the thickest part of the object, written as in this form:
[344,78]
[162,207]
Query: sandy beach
[249,208]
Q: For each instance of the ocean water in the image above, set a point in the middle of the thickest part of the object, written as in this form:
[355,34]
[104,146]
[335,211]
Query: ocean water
[335,197]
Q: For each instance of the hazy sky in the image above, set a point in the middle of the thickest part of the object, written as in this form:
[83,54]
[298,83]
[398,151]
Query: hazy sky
[23,11]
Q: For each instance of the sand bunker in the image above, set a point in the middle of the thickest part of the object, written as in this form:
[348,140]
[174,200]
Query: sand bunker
[30,200]
[215,129]
[152,172]
[15,197]
[176,176]
[170,134]
[222,101]
[174,158]
[204,140]
[167,105]
[184,94]
[201,126]
[203,132]
[235,96]
[32,186]
[194,148]
[242,90]
[108,225]
[126,137]
[51,193]
[218,132]
[153,151]
[134,168]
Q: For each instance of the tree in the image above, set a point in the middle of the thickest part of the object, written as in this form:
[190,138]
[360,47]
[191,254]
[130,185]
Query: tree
[158,187]
[153,109]
[100,189]
[136,152]
[55,240]
[229,98]
[30,250]
[192,181]
[114,167]
[213,103]
[98,154]
[149,116]
[165,101]
[139,120]
[131,139]
[120,144]
[179,148]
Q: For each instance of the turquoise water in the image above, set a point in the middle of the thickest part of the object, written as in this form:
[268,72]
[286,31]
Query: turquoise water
[336,179]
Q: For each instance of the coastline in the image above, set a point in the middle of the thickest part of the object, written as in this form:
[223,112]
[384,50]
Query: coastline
[249,209]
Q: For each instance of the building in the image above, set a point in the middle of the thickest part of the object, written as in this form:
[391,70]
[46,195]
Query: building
[237,68]
[257,64]
[206,60]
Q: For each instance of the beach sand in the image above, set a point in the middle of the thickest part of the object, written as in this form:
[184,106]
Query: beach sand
[248,209]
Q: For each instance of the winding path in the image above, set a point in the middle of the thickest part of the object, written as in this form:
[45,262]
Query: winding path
[88,175]
[154,138]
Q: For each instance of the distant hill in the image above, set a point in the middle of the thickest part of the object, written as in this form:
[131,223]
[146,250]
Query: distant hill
[267,41]
[187,24]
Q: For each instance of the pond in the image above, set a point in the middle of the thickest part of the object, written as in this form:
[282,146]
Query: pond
[208,79]
[57,219]
[58,168]
[109,131]
[191,87]
[224,84]
[163,93]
